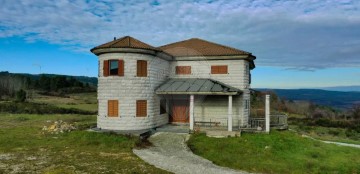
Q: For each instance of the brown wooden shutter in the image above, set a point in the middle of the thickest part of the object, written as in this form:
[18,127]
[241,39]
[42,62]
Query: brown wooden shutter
[141,108]
[121,68]
[138,68]
[113,108]
[214,70]
[223,69]
[144,68]
[106,68]
[219,69]
[141,68]
[183,69]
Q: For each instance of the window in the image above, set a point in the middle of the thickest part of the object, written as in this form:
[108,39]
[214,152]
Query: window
[142,68]
[113,108]
[141,108]
[183,69]
[113,68]
[219,69]
[162,106]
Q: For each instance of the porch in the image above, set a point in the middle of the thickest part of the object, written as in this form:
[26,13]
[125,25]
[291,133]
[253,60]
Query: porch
[180,102]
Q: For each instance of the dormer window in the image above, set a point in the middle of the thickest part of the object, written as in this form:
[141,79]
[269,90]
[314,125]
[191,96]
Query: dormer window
[113,68]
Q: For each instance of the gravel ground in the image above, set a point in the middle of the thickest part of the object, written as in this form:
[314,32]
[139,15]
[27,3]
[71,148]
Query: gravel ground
[171,153]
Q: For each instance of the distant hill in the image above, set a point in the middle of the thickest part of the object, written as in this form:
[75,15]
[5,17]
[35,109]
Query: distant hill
[337,99]
[343,88]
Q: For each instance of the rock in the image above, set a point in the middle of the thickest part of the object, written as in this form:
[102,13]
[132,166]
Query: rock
[59,127]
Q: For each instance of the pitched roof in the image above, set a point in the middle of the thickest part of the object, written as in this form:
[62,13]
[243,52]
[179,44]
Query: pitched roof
[198,86]
[199,47]
[126,42]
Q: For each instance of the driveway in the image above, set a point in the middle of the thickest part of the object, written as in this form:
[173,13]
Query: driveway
[171,153]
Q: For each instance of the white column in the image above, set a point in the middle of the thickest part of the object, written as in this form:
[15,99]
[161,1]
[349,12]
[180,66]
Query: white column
[230,114]
[191,112]
[267,113]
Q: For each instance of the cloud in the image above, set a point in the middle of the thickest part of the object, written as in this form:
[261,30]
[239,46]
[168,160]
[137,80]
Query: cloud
[302,35]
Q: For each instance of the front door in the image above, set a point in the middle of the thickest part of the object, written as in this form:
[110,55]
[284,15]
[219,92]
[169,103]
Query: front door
[180,111]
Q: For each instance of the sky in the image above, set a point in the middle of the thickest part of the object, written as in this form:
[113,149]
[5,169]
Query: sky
[298,44]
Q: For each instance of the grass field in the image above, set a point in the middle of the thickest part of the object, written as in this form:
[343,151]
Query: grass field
[278,152]
[24,148]
[82,101]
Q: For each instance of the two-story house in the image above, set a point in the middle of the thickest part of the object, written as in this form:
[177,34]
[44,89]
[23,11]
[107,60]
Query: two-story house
[192,81]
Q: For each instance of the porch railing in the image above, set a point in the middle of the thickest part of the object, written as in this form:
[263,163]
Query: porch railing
[278,121]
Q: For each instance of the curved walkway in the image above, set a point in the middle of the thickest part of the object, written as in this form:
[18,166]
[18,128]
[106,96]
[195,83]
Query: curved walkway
[170,152]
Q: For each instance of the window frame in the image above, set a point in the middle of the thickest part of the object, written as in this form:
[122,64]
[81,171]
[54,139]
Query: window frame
[107,67]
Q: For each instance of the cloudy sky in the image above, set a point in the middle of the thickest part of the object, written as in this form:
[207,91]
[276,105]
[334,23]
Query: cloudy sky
[305,43]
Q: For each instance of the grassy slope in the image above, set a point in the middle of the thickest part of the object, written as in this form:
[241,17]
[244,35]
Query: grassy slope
[278,152]
[82,101]
[28,149]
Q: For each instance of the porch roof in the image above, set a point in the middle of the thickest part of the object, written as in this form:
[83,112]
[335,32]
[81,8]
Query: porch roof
[196,86]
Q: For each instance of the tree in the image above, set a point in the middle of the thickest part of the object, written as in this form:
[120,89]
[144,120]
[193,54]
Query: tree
[20,95]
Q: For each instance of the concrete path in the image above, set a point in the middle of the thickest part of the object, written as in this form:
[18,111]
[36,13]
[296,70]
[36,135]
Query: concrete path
[333,142]
[171,153]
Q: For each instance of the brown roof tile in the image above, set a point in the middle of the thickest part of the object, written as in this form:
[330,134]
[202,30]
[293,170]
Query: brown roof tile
[126,42]
[199,47]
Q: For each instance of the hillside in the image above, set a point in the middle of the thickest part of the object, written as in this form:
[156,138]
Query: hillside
[84,79]
[337,99]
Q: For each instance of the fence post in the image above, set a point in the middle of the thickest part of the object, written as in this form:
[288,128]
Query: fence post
[267,113]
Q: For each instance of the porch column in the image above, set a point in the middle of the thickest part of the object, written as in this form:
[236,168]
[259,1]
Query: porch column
[191,112]
[267,113]
[230,114]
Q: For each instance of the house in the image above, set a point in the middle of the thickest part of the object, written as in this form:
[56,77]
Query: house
[188,82]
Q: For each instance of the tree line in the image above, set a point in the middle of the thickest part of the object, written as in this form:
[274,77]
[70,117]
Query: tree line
[13,85]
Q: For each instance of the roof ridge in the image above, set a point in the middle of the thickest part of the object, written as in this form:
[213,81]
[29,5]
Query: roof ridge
[116,41]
